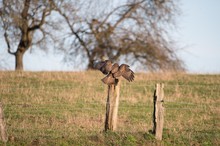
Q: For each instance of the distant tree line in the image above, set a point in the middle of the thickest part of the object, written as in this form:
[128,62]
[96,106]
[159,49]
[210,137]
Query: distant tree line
[135,30]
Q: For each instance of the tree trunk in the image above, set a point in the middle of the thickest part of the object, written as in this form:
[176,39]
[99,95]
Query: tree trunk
[90,65]
[91,60]
[19,59]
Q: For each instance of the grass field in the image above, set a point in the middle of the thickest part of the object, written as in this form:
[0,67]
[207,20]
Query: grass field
[68,108]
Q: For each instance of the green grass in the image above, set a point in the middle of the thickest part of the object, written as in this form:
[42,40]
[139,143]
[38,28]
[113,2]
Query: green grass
[68,108]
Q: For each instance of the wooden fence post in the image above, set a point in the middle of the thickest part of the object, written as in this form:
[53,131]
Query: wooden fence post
[158,114]
[4,136]
[112,106]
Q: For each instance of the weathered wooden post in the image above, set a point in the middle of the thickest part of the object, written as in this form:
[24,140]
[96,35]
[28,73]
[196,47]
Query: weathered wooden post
[113,72]
[158,113]
[4,136]
[112,106]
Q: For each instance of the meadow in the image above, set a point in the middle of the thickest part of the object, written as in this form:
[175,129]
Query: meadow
[68,108]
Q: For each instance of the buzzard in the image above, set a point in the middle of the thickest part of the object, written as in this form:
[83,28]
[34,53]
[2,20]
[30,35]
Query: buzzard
[113,71]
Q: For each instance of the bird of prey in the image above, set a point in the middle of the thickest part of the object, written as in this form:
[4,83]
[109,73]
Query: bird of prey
[113,71]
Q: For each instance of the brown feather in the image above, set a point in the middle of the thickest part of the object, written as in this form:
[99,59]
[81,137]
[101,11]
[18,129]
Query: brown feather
[115,68]
[109,79]
[127,73]
[114,71]
[98,64]
[107,67]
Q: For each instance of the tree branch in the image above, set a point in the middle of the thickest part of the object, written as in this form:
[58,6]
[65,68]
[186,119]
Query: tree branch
[8,44]
[24,13]
[74,32]
[42,21]
[6,37]
[132,8]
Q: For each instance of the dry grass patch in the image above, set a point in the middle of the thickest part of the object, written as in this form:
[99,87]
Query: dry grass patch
[68,108]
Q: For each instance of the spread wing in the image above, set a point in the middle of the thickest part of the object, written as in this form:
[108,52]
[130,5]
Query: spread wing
[104,66]
[117,74]
[98,64]
[127,73]
[107,67]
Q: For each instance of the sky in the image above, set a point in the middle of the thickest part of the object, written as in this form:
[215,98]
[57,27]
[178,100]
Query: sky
[198,36]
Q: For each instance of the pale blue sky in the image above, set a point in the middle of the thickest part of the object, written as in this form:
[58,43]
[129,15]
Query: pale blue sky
[198,34]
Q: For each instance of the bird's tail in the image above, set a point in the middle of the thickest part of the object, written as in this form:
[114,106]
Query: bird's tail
[109,80]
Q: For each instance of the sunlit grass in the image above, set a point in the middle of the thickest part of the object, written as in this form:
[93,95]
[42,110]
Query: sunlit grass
[68,108]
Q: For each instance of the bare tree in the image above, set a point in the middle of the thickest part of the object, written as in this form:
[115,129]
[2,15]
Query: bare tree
[22,22]
[132,29]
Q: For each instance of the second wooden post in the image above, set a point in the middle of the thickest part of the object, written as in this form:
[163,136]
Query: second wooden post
[112,106]
[158,114]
